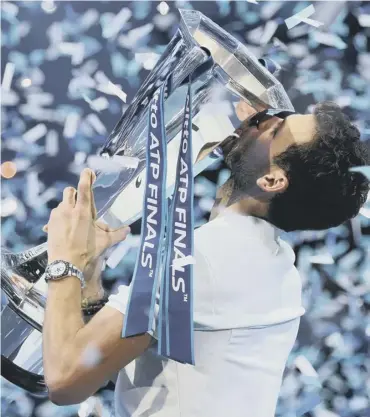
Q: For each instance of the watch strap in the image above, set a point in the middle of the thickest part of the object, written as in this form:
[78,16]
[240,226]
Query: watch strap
[74,271]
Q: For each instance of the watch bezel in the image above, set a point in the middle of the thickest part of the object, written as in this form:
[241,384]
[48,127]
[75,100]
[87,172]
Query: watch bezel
[62,274]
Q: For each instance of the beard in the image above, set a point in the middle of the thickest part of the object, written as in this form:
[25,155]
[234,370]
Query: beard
[247,158]
[237,153]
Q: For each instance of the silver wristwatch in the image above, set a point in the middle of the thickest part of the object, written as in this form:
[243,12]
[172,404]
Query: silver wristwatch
[61,269]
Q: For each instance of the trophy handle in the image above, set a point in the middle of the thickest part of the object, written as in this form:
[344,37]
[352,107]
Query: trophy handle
[29,381]
[22,317]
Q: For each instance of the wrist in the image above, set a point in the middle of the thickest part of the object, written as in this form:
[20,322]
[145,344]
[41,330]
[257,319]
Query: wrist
[92,293]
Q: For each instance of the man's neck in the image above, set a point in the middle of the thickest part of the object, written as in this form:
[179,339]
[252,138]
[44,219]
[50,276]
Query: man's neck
[226,197]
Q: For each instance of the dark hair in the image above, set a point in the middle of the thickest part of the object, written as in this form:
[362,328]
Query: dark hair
[322,192]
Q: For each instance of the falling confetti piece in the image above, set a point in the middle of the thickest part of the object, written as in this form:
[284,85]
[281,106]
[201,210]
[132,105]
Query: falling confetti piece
[75,50]
[304,365]
[329,39]
[117,23]
[8,76]
[303,16]
[147,59]
[9,8]
[71,125]
[135,35]
[364,20]
[9,98]
[325,259]
[277,42]
[99,104]
[35,133]
[8,206]
[116,90]
[52,143]
[365,170]
[163,8]
[268,9]
[269,31]
[114,164]
[96,123]
[91,356]
[181,262]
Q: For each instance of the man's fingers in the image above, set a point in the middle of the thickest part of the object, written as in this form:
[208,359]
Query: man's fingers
[118,235]
[84,190]
[93,207]
[69,197]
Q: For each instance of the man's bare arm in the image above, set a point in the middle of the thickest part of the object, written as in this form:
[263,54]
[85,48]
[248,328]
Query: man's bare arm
[69,345]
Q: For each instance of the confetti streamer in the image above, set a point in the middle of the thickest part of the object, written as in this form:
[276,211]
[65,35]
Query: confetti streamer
[303,16]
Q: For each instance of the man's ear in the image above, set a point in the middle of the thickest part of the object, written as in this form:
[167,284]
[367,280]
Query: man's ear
[274,182]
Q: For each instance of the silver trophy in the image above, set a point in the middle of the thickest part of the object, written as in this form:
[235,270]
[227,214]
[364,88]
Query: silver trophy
[235,76]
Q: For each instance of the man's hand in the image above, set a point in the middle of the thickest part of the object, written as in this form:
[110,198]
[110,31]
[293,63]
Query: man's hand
[74,234]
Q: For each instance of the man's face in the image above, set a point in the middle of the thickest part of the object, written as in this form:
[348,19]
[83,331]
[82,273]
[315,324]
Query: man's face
[251,156]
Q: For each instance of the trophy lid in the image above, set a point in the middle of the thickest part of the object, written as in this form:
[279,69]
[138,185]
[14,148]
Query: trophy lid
[234,60]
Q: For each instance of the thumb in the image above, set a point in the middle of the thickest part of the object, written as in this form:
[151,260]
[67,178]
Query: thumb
[118,235]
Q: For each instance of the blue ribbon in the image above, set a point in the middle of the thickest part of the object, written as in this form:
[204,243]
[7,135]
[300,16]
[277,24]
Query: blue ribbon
[140,308]
[176,312]
[157,255]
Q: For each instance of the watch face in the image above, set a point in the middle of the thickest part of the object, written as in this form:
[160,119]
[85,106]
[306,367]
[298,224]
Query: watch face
[57,269]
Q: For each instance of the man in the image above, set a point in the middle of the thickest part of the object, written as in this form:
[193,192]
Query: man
[291,174]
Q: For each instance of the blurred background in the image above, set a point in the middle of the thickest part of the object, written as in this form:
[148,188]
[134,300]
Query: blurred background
[58,107]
